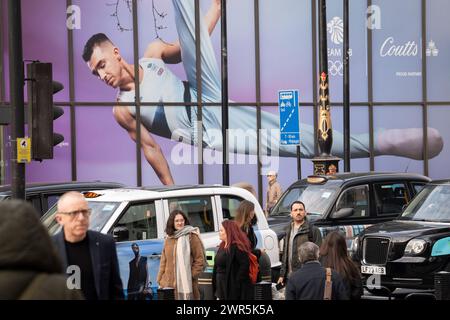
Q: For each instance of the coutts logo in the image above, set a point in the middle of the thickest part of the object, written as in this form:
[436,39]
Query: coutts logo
[432,50]
[391,49]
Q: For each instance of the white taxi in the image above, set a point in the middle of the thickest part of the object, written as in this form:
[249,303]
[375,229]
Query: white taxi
[139,215]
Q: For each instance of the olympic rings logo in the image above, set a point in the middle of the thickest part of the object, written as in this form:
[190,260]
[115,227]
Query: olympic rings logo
[335,68]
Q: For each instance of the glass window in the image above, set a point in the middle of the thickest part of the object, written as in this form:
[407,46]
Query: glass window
[35,201]
[286,201]
[317,199]
[58,168]
[398,138]
[417,187]
[92,149]
[356,198]
[431,204]
[137,223]
[396,51]
[229,206]
[358,49]
[101,212]
[439,154]
[390,197]
[197,209]
[51,200]
[277,47]
[438,84]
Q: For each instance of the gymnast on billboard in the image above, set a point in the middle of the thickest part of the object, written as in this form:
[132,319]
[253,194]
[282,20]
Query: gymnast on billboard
[158,84]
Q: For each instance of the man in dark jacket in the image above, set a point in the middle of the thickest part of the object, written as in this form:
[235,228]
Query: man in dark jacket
[298,232]
[138,279]
[29,265]
[89,257]
[308,283]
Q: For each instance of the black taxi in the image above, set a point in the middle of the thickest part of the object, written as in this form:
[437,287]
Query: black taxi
[347,202]
[408,251]
[44,195]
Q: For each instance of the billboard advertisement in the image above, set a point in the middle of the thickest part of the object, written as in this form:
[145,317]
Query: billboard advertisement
[96,65]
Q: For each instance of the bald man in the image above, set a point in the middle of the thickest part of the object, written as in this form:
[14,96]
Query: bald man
[89,257]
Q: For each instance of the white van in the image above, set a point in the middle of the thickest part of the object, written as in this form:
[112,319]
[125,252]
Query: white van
[139,215]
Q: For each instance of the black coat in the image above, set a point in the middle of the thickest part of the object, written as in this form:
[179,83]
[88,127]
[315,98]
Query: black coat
[29,264]
[104,262]
[308,283]
[253,241]
[354,288]
[137,280]
[307,232]
[238,285]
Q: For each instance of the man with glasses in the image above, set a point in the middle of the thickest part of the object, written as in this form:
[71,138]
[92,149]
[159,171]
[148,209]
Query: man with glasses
[89,257]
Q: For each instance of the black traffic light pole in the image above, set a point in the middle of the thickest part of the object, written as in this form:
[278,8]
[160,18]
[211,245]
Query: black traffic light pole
[346,93]
[16,76]
[224,63]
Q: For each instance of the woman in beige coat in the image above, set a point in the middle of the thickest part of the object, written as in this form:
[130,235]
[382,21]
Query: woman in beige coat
[182,258]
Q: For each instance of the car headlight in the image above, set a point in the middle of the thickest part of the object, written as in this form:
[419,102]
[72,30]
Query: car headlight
[415,246]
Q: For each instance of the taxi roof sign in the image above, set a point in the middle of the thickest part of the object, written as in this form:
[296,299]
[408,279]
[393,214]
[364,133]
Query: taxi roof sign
[91,195]
[316,179]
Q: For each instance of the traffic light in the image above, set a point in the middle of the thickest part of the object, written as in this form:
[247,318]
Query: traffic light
[41,111]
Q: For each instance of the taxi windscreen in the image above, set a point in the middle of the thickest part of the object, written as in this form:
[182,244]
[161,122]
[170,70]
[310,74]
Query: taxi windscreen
[431,204]
[317,198]
[101,212]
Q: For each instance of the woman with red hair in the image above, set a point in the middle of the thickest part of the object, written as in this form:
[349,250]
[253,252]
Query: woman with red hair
[231,280]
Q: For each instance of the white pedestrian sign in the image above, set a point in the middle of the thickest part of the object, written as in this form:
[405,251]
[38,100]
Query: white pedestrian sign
[289,118]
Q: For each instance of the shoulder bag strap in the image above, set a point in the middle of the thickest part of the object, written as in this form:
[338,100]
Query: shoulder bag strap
[328,285]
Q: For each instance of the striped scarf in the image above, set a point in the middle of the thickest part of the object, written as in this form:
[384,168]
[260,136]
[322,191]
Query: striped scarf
[183,262]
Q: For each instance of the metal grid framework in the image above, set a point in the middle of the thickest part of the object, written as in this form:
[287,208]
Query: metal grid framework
[2,93]
[370,103]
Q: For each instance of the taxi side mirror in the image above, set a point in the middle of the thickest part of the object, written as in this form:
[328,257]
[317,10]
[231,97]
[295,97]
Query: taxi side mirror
[342,213]
[121,234]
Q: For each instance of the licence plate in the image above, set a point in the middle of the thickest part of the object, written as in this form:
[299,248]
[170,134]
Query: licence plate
[373,269]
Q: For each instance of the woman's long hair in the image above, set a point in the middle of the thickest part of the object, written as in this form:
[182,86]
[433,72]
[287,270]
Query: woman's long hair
[170,226]
[242,217]
[334,250]
[235,236]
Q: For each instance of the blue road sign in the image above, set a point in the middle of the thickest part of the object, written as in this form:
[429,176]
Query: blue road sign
[289,124]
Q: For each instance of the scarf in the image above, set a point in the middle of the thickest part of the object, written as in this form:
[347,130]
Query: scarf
[183,262]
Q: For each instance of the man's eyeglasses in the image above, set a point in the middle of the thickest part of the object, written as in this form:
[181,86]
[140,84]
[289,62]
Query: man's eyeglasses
[72,214]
